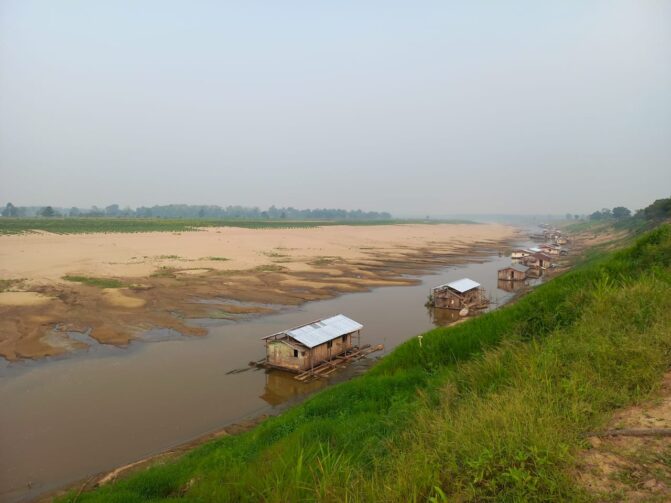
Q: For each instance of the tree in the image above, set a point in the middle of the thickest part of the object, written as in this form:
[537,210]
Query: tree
[597,215]
[112,210]
[47,212]
[605,212]
[576,217]
[10,211]
[658,210]
[621,212]
[569,216]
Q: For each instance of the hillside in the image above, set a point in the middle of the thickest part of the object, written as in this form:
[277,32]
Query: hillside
[496,408]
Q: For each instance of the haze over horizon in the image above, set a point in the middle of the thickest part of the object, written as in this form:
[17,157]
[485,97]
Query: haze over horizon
[435,108]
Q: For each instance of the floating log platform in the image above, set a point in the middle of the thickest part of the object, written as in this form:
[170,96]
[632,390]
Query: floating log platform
[326,368]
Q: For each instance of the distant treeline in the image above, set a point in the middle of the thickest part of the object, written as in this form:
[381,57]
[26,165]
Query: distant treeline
[659,210]
[195,212]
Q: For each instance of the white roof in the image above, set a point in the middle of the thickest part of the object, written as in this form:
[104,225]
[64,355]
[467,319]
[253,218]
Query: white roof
[535,249]
[461,285]
[321,331]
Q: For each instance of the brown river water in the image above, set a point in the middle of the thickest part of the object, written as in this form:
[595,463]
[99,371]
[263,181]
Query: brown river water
[65,419]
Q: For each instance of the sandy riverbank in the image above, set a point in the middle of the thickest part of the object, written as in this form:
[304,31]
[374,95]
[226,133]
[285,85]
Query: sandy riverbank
[168,278]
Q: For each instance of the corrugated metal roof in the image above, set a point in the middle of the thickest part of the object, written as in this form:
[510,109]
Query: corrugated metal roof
[318,332]
[461,285]
[519,267]
[535,249]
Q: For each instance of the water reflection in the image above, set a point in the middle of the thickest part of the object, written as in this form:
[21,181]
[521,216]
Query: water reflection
[511,286]
[281,387]
[443,317]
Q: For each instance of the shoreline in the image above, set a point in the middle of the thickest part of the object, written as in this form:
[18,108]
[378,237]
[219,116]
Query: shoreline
[172,298]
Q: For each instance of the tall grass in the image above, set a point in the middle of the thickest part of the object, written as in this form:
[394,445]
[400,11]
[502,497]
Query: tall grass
[490,410]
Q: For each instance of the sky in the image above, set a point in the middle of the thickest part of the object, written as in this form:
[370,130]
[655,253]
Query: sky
[415,107]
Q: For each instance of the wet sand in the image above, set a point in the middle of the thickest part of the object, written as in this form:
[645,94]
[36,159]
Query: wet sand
[169,279]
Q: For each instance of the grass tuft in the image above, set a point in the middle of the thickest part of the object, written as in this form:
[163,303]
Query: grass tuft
[98,282]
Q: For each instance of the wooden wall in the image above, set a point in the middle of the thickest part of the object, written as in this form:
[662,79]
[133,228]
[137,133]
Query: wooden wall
[281,354]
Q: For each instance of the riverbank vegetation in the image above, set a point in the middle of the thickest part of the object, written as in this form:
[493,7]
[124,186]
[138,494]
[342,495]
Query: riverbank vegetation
[73,225]
[495,408]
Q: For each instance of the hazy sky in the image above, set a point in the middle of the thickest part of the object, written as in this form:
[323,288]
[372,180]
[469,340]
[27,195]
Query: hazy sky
[411,107]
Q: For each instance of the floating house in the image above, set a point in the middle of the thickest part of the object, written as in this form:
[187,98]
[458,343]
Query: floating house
[549,249]
[305,347]
[515,272]
[542,260]
[520,253]
[463,293]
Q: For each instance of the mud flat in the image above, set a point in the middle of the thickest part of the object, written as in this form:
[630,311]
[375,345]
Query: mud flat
[114,287]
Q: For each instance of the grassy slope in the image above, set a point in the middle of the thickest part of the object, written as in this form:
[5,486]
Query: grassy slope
[492,409]
[88,225]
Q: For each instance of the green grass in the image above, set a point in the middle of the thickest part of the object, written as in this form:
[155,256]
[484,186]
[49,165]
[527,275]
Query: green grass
[6,284]
[98,282]
[493,409]
[114,225]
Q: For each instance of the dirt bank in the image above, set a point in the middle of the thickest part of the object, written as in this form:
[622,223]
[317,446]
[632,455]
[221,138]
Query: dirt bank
[629,467]
[166,279]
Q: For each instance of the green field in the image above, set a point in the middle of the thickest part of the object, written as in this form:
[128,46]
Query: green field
[89,225]
[493,409]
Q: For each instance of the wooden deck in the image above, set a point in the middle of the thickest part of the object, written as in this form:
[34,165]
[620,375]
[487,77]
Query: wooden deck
[326,368]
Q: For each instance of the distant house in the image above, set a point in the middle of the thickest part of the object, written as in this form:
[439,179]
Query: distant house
[304,347]
[542,260]
[550,249]
[459,294]
[515,272]
[520,253]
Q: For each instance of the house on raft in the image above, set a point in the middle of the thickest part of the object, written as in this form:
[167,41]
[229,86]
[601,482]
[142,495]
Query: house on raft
[305,347]
[515,272]
[550,249]
[463,293]
[540,260]
[520,253]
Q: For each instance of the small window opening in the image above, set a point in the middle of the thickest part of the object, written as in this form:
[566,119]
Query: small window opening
[344,338]
[295,353]
[329,344]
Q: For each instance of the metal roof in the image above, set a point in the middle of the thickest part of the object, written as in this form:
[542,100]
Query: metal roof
[535,249]
[519,267]
[461,285]
[321,331]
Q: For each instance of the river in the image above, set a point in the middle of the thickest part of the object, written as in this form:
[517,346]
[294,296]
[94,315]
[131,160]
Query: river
[65,419]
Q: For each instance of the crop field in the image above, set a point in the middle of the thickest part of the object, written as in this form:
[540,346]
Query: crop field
[128,225]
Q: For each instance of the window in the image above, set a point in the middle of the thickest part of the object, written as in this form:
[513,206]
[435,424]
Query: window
[329,344]
[295,353]
[344,338]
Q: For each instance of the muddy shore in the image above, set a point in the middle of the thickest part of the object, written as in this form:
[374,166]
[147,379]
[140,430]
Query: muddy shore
[39,313]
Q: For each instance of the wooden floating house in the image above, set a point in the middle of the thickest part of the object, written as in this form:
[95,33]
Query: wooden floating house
[317,349]
[520,253]
[550,249]
[539,259]
[515,272]
[306,346]
[460,294]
